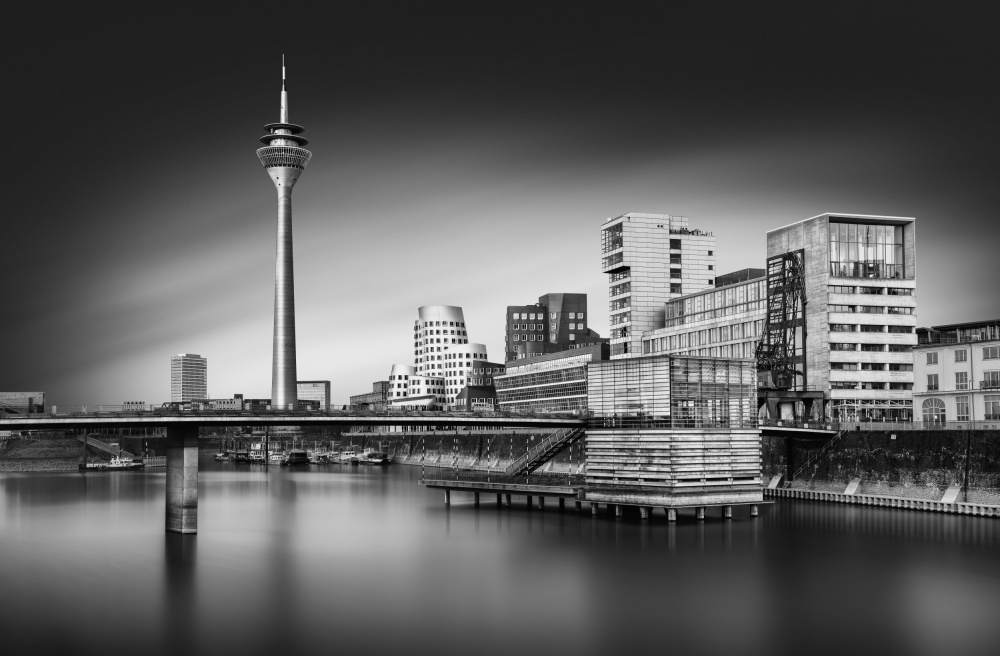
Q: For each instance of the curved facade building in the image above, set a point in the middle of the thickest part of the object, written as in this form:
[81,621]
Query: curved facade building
[443,356]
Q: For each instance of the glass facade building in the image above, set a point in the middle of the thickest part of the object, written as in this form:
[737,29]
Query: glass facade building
[188,377]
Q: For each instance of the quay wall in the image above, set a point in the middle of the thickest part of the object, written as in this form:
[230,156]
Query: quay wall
[911,464]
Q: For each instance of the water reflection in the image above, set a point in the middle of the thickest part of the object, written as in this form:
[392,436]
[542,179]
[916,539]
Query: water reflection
[364,560]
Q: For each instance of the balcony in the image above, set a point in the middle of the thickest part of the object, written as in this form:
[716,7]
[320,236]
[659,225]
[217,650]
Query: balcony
[989,384]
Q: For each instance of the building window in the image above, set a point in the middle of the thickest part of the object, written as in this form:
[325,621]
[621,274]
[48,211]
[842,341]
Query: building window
[961,380]
[675,244]
[872,329]
[871,309]
[900,310]
[859,250]
[962,408]
[873,347]
[842,308]
[932,382]
[933,410]
[961,356]
[894,366]
[908,330]
[841,346]
[991,380]
[841,289]
[932,357]
[992,407]
[991,353]
[675,288]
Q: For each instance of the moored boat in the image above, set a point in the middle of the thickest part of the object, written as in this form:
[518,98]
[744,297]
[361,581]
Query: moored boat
[373,457]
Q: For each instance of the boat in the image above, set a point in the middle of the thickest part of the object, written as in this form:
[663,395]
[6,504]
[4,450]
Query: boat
[349,457]
[257,456]
[276,457]
[318,458]
[373,457]
[126,463]
[296,457]
[222,456]
[241,456]
[93,465]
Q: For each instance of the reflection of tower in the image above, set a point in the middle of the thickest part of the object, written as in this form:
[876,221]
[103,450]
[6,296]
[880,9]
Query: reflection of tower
[284,159]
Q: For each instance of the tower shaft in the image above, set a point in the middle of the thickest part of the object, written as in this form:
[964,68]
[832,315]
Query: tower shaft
[283,361]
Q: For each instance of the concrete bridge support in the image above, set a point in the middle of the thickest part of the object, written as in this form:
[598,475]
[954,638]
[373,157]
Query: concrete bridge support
[182,479]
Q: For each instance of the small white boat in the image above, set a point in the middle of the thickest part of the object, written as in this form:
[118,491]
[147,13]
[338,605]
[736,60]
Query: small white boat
[349,457]
[125,463]
[373,457]
[276,457]
[222,456]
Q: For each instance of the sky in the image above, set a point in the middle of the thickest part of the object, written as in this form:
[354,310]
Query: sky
[463,154]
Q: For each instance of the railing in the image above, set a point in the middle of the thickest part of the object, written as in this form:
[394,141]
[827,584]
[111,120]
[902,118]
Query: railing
[107,448]
[816,456]
[545,449]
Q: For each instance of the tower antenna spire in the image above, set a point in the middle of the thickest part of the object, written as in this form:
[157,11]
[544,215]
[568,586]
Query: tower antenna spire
[284,95]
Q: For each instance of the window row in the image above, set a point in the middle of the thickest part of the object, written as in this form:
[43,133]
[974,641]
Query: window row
[870,366]
[871,309]
[891,291]
[865,328]
[871,348]
[868,385]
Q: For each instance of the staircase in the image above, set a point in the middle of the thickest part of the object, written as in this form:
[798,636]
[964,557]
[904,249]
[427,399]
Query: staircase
[155,461]
[544,451]
[819,454]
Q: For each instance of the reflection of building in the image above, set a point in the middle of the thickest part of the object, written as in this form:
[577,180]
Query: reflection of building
[314,390]
[650,259]
[188,377]
[859,311]
[689,422]
[374,400]
[554,382]
[957,373]
[22,402]
[556,323]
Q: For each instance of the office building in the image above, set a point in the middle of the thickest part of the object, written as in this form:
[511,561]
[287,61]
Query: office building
[558,322]
[188,377]
[374,400]
[284,159]
[852,336]
[22,402]
[957,374]
[654,422]
[444,360]
[650,259]
[552,382]
[723,322]
[314,390]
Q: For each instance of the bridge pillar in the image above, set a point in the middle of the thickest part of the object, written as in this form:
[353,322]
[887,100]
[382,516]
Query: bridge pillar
[562,504]
[447,497]
[643,512]
[541,503]
[530,502]
[727,512]
[475,499]
[618,510]
[507,500]
[753,510]
[671,514]
[499,500]
[593,508]
[699,513]
[182,479]
[578,505]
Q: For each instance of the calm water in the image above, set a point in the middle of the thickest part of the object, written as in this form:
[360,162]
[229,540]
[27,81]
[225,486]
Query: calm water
[364,560]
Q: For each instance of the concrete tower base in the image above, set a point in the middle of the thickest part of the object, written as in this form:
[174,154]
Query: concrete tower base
[182,479]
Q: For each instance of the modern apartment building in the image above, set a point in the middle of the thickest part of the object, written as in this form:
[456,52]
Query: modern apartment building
[553,382]
[858,322]
[723,322]
[650,259]
[556,323]
[314,390]
[188,377]
[957,374]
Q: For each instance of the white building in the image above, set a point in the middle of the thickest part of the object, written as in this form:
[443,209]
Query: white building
[957,374]
[649,259]
[188,377]
[314,390]
[444,359]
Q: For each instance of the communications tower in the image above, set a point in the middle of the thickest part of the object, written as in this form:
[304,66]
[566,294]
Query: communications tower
[284,159]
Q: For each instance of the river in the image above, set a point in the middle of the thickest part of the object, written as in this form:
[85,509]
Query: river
[364,560]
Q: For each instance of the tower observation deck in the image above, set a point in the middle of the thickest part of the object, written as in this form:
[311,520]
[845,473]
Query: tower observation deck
[284,159]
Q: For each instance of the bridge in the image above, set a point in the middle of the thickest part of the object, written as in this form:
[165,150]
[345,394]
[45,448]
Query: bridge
[182,428]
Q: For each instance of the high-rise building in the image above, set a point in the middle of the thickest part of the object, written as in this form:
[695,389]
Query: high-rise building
[556,323]
[284,158]
[314,390]
[188,377]
[650,259]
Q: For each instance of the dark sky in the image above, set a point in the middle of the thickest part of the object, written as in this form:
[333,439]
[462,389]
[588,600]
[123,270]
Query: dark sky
[465,153]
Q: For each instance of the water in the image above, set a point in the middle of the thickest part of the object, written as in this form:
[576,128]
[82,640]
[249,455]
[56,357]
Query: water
[363,560]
